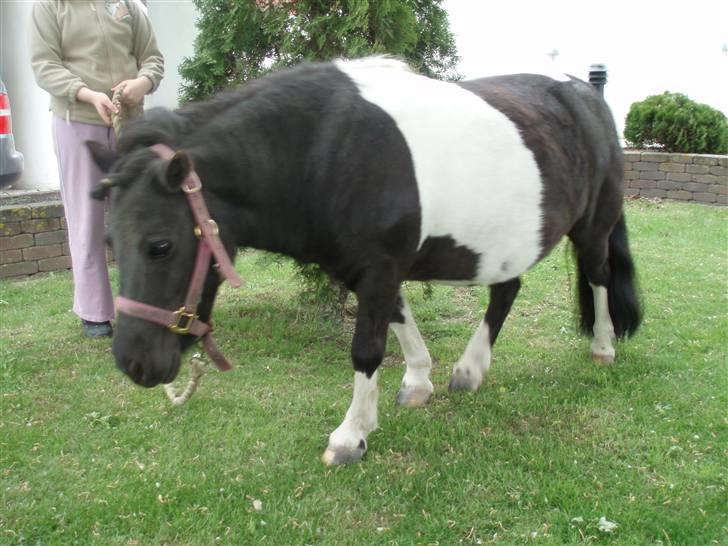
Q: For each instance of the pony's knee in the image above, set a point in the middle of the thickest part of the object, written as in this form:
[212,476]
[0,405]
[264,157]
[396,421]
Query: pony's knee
[367,356]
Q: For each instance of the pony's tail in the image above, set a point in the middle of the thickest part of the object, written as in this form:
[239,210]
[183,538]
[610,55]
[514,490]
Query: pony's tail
[625,307]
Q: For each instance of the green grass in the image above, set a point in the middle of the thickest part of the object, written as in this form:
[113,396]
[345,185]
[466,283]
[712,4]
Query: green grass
[549,444]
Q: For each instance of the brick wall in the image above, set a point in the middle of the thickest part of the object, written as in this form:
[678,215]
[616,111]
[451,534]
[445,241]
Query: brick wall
[33,239]
[685,177]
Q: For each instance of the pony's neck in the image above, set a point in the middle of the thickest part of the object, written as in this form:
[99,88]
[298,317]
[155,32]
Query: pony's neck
[253,155]
[257,197]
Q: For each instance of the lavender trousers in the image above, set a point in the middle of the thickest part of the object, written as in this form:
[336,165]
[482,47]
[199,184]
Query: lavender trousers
[92,299]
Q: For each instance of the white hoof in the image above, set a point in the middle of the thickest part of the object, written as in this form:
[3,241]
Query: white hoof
[602,353]
[414,397]
[344,455]
[465,379]
[603,358]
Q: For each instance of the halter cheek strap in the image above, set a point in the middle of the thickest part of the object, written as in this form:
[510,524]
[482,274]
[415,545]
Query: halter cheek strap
[185,321]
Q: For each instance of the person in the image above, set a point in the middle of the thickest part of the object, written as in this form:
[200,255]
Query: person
[81,53]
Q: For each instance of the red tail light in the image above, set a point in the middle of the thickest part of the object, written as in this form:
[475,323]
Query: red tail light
[5,126]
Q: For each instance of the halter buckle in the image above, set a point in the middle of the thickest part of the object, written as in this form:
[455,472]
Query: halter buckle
[183,321]
[214,228]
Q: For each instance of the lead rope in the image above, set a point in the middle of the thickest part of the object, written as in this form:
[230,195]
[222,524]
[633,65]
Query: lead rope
[124,113]
[198,364]
[198,368]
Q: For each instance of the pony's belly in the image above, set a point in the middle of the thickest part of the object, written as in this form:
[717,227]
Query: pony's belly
[476,262]
[479,185]
[502,228]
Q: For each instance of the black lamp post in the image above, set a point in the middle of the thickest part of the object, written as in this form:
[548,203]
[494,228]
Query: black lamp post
[598,76]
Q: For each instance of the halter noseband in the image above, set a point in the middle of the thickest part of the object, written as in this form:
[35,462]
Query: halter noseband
[185,321]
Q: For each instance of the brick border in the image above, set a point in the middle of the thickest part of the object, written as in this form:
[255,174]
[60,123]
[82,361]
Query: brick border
[33,239]
[683,177]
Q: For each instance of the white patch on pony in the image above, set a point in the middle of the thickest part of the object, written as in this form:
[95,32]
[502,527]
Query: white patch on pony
[416,386]
[376,62]
[601,347]
[478,182]
[345,443]
[469,371]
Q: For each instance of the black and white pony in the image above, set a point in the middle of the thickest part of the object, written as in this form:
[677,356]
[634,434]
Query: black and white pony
[379,175]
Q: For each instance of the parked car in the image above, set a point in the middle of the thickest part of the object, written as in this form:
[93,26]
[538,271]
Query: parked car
[11,161]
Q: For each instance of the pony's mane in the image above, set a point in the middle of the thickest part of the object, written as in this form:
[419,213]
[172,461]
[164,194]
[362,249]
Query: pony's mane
[200,112]
[172,127]
[161,125]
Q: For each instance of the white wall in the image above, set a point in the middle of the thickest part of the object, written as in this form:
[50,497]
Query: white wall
[30,115]
[174,24]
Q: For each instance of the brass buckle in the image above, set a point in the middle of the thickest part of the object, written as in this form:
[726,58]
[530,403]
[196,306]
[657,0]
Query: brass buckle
[183,321]
[215,229]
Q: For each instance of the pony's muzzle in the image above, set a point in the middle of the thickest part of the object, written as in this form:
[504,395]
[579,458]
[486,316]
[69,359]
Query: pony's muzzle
[148,367]
[142,375]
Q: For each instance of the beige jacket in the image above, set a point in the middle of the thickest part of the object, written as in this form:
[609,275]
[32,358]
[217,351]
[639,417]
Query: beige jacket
[90,43]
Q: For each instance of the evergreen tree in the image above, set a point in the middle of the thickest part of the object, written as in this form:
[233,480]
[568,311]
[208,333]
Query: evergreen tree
[242,39]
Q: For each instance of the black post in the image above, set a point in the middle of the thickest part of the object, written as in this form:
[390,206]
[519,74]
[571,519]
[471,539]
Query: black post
[598,76]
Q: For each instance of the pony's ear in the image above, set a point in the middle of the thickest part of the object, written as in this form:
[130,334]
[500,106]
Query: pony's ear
[178,168]
[102,156]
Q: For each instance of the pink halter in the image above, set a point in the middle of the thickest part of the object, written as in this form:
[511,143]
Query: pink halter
[185,320]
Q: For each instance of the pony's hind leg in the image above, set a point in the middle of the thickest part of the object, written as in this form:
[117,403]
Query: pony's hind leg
[416,387]
[602,349]
[593,271]
[608,299]
[467,375]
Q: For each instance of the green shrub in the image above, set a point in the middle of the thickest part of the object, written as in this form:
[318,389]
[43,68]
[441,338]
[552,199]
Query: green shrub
[675,123]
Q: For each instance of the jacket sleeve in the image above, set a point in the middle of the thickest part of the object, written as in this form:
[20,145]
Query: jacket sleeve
[46,57]
[149,59]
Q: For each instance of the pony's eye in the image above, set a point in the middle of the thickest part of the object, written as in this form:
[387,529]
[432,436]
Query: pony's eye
[159,249]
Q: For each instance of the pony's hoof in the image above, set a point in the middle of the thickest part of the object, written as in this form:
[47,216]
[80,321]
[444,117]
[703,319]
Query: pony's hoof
[413,397]
[605,358]
[344,455]
[464,381]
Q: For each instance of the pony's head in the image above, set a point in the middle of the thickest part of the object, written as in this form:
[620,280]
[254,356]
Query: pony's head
[151,230]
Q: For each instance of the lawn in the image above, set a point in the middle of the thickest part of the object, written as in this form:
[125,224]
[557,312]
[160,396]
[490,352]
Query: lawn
[549,446]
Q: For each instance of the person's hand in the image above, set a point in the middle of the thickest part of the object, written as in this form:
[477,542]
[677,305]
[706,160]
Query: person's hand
[133,91]
[100,101]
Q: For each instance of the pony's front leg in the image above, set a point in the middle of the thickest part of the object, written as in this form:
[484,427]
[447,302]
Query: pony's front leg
[416,387]
[377,296]
[348,443]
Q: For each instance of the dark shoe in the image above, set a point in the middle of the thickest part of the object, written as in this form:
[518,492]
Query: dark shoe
[96,329]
